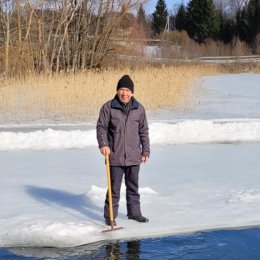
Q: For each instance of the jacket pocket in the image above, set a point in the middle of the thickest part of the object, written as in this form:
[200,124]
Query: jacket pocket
[133,141]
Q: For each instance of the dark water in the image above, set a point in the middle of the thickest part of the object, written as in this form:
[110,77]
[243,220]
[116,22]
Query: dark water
[215,245]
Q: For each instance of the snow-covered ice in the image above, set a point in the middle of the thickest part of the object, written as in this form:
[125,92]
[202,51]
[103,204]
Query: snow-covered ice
[203,173]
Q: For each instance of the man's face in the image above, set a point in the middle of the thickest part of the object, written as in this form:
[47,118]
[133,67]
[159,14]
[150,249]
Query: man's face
[124,95]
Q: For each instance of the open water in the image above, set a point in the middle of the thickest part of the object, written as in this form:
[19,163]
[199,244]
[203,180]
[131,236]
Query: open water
[242,244]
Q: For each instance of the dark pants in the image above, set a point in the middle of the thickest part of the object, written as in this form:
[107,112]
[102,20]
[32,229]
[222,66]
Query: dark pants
[132,195]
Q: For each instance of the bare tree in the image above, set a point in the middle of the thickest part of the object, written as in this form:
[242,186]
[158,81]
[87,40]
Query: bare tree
[60,34]
[236,5]
[6,14]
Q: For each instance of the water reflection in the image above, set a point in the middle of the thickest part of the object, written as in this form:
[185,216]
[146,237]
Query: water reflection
[133,250]
[128,250]
[221,245]
[113,251]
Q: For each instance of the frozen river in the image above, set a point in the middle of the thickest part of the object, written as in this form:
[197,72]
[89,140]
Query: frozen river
[203,173]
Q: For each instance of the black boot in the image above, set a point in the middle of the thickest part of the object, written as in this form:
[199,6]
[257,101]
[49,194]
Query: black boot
[108,222]
[138,218]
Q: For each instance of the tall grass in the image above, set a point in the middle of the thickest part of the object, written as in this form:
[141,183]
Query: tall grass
[78,97]
[180,45]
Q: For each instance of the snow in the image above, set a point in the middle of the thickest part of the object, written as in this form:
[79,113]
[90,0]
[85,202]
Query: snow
[170,132]
[152,51]
[234,96]
[203,174]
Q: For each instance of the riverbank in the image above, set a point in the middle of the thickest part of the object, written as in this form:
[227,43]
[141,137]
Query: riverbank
[78,97]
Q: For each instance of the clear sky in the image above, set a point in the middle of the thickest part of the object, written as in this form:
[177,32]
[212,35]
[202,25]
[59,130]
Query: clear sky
[171,5]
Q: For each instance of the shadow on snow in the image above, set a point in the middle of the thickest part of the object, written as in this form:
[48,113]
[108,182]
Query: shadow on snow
[78,202]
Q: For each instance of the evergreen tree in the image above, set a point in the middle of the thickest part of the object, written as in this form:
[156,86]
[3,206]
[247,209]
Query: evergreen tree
[180,21]
[227,29]
[159,17]
[202,21]
[252,22]
[241,27]
[141,18]
[248,23]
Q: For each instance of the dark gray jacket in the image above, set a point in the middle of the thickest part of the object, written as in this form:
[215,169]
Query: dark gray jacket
[126,135]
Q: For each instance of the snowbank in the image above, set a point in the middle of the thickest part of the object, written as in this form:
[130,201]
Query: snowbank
[171,132]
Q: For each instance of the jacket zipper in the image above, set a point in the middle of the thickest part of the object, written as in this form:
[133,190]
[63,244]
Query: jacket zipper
[125,133]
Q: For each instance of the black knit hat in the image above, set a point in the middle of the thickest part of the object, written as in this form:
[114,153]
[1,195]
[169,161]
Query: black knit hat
[125,82]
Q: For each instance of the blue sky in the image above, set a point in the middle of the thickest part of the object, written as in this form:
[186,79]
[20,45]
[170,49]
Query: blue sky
[171,4]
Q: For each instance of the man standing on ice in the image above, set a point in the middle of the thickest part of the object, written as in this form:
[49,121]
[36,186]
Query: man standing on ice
[122,133]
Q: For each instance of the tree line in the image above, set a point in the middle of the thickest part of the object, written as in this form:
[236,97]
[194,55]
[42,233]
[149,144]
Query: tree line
[73,35]
[218,20]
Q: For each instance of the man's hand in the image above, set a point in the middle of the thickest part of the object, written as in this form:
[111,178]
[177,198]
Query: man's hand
[145,158]
[105,150]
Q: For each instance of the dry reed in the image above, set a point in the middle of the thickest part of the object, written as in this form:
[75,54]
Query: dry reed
[78,97]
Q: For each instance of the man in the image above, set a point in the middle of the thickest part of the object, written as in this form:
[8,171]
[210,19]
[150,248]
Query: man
[122,133]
